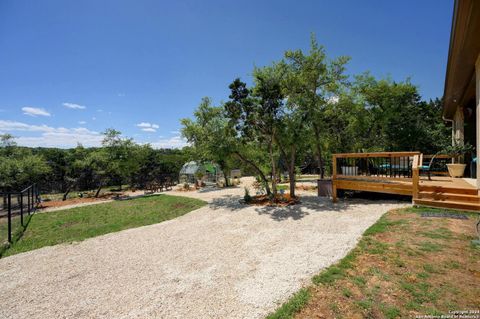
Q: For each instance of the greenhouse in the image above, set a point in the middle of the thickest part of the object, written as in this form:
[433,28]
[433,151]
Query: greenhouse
[207,172]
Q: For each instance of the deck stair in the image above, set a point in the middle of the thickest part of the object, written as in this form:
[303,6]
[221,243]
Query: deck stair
[448,197]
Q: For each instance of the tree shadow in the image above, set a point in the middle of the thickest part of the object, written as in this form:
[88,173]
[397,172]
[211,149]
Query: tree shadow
[309,204]
[210,189]
[231,202]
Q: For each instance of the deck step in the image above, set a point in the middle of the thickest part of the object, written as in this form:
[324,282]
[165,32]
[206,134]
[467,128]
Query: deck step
[460,205]
[449,196]
[449,190]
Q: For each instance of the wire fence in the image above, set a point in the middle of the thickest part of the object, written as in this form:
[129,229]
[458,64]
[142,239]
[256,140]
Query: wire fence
[16,210]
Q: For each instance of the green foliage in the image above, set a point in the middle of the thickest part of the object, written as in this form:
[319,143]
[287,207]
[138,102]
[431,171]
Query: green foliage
[457,150]
[396,118]
[210,136]
[19,171]
[119,161]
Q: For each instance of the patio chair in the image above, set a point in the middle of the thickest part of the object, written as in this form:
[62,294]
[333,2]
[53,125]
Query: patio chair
[427,168]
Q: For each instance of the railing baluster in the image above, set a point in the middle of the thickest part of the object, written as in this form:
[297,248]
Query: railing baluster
[21,208]
[28,200]
[9,217]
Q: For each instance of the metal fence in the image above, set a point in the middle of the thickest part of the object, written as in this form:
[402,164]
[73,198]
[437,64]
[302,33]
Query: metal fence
[16,209]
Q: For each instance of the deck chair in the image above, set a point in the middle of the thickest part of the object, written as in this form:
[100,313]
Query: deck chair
[427,168]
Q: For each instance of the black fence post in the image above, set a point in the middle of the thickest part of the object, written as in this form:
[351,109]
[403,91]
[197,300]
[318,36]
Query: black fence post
[21,208]
[35,197]
[9,217]
[28,200]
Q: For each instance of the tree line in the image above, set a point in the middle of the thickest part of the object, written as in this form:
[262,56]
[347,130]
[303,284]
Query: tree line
[304,108]
[117,162]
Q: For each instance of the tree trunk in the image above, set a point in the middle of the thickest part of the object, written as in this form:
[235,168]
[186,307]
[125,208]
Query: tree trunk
[291,171]
[319,152]
[64,198]
[226,180]
[274,170]
[98,191]
[259,171]
[290,166]
[225,176]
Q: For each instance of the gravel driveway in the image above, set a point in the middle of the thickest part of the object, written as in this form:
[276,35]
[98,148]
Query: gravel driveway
[224,260]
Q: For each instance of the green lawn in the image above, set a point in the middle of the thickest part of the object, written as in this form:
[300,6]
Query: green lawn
[47,229]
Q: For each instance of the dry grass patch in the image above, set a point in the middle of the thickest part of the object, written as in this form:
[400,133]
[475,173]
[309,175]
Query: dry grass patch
[404,266]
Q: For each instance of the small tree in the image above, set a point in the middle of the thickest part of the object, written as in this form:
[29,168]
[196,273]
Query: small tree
[313,83]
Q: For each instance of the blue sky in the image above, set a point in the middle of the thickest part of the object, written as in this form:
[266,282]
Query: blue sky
[71,69]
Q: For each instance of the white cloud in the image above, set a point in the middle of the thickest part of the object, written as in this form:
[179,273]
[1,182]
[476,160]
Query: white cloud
[19,126]
[148,127]
[52,136]
[82,122]
[74,106]
[172,142]
[48,136]
[175,132]
[34,111]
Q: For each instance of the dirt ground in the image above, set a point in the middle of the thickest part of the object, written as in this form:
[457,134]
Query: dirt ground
[409,266]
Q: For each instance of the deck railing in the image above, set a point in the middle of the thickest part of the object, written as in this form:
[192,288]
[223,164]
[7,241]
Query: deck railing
[356,171]
[378,165]
[386,172]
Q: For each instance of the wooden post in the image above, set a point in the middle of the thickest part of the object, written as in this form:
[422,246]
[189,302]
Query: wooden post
[415,178]
[477,118]
[334,178]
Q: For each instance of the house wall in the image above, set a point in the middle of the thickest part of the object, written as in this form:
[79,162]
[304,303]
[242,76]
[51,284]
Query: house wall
[477,72]
[458,127]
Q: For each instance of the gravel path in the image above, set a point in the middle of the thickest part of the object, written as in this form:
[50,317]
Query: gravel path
[224,260]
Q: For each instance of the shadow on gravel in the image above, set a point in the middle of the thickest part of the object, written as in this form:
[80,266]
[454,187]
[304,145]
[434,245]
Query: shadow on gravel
[307,205]
[232,202]
[210,189]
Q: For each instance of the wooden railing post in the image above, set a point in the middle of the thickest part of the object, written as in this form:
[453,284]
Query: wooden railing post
[334,178]
[415,178]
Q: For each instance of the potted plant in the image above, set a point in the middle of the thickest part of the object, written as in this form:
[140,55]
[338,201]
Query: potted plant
[457,151]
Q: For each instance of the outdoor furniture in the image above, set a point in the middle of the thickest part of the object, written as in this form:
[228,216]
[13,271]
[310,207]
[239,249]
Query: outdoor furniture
[427,168]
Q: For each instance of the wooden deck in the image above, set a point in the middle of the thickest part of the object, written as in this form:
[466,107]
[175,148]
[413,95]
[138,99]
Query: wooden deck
[400,174]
